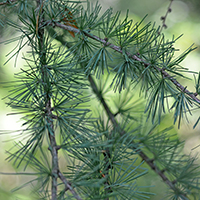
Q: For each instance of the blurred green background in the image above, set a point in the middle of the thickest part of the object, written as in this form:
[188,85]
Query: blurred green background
[184,19]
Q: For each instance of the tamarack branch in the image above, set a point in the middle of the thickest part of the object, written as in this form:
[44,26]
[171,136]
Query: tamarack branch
[135,57]
[49,116]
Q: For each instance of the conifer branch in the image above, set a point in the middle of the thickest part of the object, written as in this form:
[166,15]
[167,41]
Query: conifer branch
[99,96]
[106,153]
[135,57]
[144,157]
[49,118]
[68,186]
[7,2]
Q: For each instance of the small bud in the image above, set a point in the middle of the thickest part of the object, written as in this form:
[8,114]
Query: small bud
[169,10]
[164,25]
[162,18]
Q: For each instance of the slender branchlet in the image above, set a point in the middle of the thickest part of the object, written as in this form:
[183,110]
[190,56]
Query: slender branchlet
[163,18]
[49,115]
[49,119]
[135,57]
[144,157]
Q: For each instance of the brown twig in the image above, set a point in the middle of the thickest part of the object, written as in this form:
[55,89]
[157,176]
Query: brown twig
[108,111]
[49,115]
[51,132]
[68,186]
[135,57]
[122,132]
[163,18]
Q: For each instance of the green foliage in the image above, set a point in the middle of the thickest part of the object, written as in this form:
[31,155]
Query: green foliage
[94,127]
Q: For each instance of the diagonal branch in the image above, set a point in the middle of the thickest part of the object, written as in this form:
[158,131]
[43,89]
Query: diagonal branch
[118,49]
[68,186]
[122,132]
[107,109]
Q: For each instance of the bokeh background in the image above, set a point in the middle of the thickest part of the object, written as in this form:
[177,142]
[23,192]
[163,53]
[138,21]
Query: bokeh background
[184,19]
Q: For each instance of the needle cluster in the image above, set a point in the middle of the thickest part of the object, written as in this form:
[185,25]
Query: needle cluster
[90,85]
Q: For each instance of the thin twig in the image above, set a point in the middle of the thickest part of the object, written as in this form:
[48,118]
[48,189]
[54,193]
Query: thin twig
[95,90]
[122,132]
[108,111]
[51,132]
[68,186]
[163,18]
[135,57]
